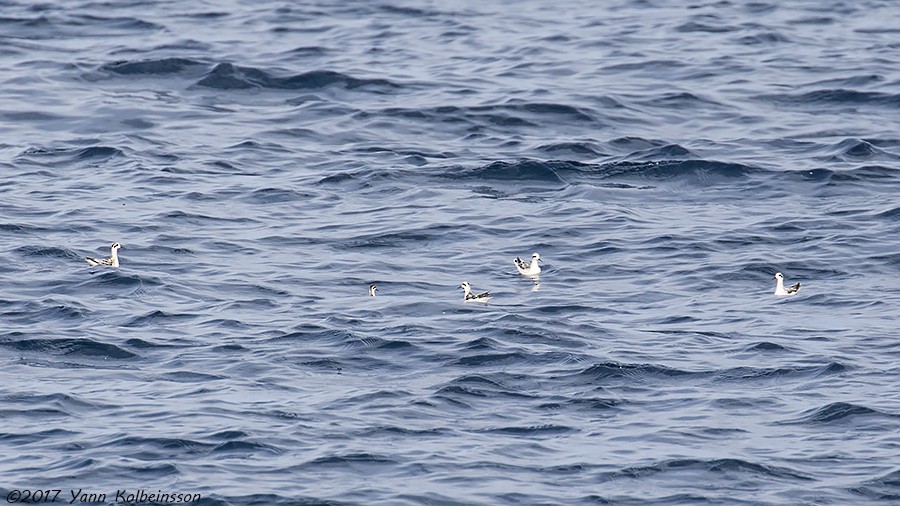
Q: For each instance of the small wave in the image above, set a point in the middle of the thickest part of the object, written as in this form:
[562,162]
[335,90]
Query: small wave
[94,152]
[160,443]
[379,396]
[198,218]
[586,149]
[543,108]
[701,171]
[582,404]
[69,347]
[631,144]
[754,373]
[116,278]
[861,150]
[365,178]
[532,430]
[857,149]
[391,431]
[63,402]
[292,499]
[246,448]
[478,379]
[486,385]
[866,173]
[395,344]
[883,488]
[454,392]
[852,81]
[655,67]
[37,437]
[838,96]
[62,157]
[683,100]
[815,20]
[425,234]
[764,38]
[409,154]
[482,343]
[350,458]
[33,413]
[46,251]
[325,364]
[125,23]
[135,342]
[511,114]
[275,196]
[22,116]
[715,466]
[229,434]
[838,412]
[694,26]
[189,377]
[525,170]
[226,76]
[644,371]
[617,370]
[21,229]
[58,312]
[483,359]
[303,51]
[163,66]
[890,214]
[157,317]
[765,346]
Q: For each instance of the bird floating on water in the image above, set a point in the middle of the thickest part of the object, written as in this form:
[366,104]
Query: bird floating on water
[780,290]
[112,261]
[468,295]
[372,289]
[531,268]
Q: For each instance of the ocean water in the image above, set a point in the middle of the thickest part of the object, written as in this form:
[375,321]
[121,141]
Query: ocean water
[263,162]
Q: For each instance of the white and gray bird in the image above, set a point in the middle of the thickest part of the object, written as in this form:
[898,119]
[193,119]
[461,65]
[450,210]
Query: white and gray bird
[372,289]
[112,261]
[532,268]
[780,290]
[468,295]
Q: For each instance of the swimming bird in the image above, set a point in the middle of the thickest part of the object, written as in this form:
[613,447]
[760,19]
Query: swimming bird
[780,290]
[531,268]
[468,295]
[372,289]
[112,261]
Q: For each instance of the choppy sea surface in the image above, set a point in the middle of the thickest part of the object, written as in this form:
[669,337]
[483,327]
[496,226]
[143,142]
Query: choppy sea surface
[263,162]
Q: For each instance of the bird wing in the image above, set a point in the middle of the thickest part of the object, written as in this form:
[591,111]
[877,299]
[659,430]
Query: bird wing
[98,261]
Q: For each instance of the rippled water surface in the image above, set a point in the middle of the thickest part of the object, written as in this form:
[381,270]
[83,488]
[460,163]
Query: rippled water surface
[263,162]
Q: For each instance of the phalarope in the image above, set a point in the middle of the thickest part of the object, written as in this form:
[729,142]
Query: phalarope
[468,295]
[372,289]
[531,268]
[780,290]
[112,261]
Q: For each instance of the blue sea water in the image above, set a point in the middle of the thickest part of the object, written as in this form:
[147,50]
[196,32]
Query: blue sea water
[262,162]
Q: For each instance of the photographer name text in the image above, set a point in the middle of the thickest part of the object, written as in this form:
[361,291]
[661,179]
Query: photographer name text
[81,496]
